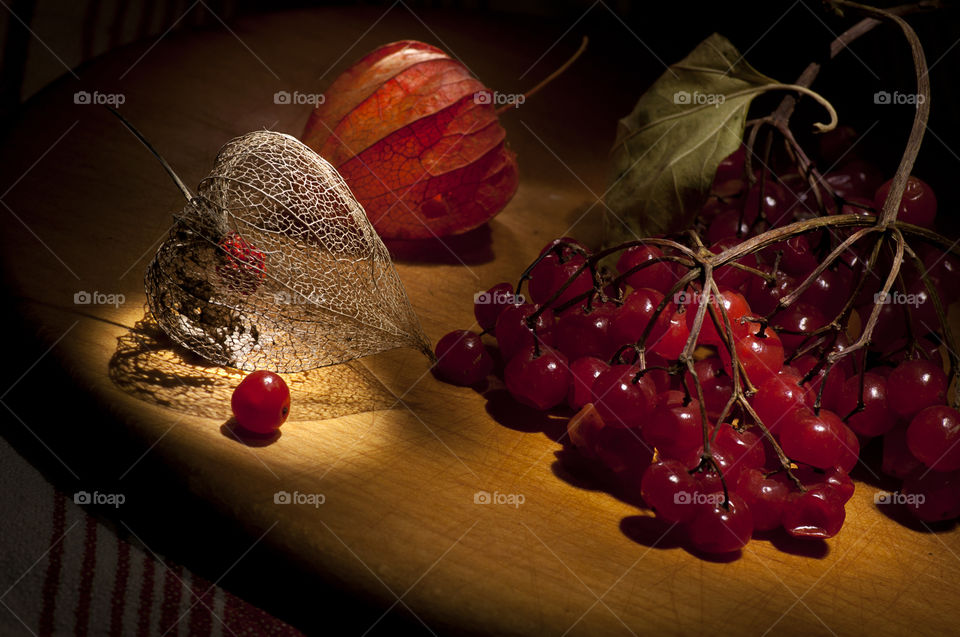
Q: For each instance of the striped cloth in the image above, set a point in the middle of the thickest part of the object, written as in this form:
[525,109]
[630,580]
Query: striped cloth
[64,573]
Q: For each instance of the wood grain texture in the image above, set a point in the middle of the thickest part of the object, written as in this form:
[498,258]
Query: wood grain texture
[398,455]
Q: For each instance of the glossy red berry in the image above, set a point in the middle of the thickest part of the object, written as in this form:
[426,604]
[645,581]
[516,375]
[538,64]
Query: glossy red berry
[934,437]
[736,308]
[813,515]
[675,429]
[584,331]
[488,305]
[832,386]
[764,295]
[672,334]
[721,528]
[583,372]
[774,203]
[515,334]
[621,401]
[743,446]
[538,380]
[777,398]
[849,443]
[797,256]
[728,276]
[261,402]
[729,222]
[855,179]
[553,273]
[669,489]
[760,356]
[462,358]
[658,275]
[916,384]
[633,316]
[918,205]
[814,440]
[876,418]
[766,498]
[795,323]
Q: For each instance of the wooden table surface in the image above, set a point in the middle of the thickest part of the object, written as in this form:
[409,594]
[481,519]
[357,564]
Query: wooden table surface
[397,455]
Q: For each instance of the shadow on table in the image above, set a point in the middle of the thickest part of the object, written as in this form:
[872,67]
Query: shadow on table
[471,248]
[148,366]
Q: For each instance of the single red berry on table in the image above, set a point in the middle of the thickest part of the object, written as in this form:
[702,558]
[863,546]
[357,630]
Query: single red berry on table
[261,402]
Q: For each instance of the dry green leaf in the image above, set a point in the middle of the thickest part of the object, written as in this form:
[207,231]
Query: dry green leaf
[668,149]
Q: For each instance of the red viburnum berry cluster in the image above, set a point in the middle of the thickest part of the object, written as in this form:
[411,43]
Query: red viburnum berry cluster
[812,343]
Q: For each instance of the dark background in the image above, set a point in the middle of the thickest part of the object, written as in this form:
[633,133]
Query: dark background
[778,38]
